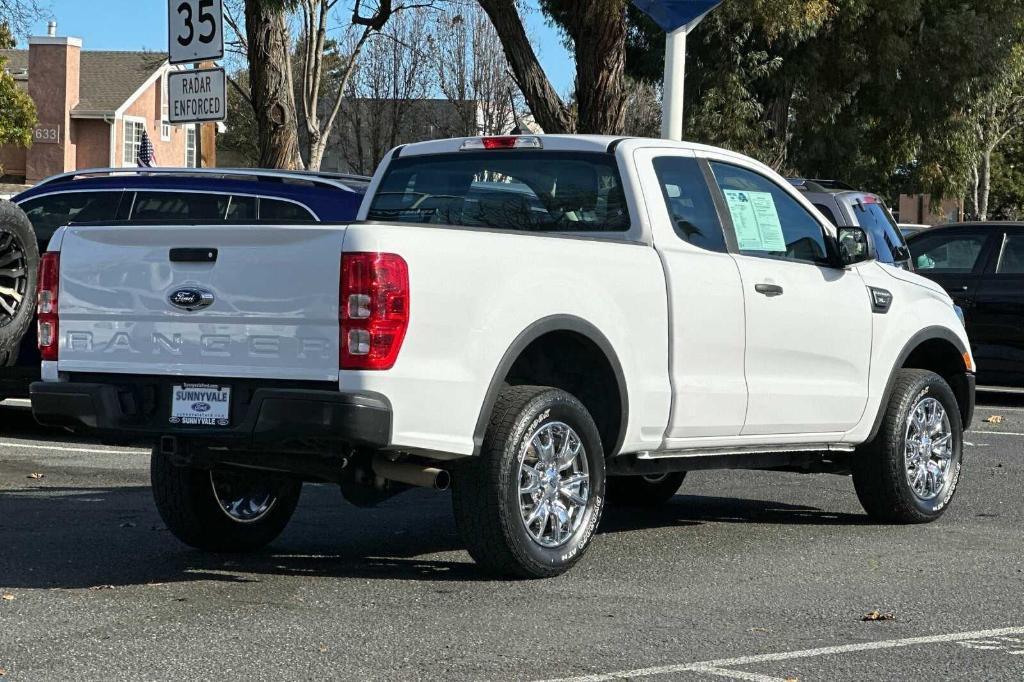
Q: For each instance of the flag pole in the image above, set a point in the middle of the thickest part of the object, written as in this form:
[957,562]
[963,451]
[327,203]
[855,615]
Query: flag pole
[675,83]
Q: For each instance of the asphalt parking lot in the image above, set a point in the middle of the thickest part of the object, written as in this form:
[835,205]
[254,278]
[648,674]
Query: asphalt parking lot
[747,576]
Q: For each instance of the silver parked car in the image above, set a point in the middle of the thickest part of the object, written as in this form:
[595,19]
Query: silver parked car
[847,207]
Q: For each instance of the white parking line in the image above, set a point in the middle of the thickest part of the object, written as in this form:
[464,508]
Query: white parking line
[997,433]
[720,666]
[61,448]
[738,674]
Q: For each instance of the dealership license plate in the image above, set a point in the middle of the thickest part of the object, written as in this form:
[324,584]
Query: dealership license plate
[201,405]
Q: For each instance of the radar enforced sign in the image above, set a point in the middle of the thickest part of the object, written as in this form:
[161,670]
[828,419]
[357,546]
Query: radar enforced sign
[197,96]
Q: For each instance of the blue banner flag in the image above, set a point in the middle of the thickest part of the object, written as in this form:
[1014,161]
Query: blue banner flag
[671,15]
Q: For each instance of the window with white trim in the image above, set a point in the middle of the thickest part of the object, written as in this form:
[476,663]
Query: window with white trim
[165,127]
[190,147]
[133,131]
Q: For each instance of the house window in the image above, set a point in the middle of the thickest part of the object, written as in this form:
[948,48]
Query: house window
[190,147]
[133,131]
[165,127]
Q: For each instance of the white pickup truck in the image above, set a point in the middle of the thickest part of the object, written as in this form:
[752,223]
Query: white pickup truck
[543,321]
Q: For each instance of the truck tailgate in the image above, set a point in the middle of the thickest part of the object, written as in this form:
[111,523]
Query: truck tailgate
[273,314]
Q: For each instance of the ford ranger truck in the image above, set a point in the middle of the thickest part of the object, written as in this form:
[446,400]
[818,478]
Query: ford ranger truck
[543,323]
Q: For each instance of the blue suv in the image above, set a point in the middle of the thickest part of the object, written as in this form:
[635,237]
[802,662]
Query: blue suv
[164,195]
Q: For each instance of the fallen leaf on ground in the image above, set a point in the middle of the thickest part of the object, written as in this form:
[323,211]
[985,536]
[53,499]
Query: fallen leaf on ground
[323,648]
[36,477]
[7,596]
[878,615]
[792,679]
[2,672]
[994,419]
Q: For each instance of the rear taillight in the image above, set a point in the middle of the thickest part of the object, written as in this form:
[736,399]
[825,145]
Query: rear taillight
[46,309]
[374,312]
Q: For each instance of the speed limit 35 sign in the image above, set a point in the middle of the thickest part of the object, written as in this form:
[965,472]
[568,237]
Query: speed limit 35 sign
[196,30]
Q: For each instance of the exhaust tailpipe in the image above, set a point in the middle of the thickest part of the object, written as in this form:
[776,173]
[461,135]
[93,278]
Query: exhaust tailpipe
[411,474]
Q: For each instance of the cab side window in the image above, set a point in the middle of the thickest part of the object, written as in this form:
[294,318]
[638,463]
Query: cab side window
[689,202]
[768,222]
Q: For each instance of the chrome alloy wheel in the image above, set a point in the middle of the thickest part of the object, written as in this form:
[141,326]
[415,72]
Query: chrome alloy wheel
[13,277]
[554,484]
[242,497]
[929,450]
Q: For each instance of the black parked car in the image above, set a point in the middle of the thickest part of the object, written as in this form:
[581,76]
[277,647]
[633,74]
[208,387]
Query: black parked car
[982,268]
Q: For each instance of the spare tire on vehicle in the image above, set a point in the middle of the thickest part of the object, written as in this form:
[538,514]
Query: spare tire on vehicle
[19,269]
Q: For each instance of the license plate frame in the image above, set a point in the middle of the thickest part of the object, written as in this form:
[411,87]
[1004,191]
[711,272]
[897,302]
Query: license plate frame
[199,404]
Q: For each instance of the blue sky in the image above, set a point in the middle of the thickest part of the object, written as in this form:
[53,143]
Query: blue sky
[142,25]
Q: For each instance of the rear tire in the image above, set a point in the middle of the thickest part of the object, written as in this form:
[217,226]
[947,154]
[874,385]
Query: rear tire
[910,471]
[644,491]
[222,510]
[19,273]
[529,505]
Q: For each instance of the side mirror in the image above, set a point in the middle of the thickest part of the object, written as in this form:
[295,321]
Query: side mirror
[855,246]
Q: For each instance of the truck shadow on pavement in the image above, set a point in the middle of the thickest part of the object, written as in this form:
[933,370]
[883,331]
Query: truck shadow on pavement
[55,537]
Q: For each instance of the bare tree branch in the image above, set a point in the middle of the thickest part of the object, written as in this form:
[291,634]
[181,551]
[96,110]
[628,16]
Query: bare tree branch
[243,93]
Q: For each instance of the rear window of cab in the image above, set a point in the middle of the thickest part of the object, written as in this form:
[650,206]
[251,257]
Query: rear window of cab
[528,191]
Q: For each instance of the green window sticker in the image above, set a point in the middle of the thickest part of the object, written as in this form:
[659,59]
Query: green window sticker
[756,221]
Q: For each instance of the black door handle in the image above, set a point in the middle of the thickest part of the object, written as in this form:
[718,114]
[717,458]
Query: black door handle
[193,255]
[769,290]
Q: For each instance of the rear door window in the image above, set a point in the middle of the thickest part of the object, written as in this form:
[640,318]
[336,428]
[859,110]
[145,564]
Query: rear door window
[277,211]
[948,253]
[544,191]
[1011,260]
[192,206]
[47,213]
[173,206]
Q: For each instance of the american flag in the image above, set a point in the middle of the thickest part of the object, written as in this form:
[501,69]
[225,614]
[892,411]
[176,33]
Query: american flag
[147,155]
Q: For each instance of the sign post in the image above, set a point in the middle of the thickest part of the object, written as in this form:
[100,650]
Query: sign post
[677,18]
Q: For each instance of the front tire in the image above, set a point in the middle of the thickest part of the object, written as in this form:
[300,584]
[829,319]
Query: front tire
[222,510]
[529,505]
[910,471]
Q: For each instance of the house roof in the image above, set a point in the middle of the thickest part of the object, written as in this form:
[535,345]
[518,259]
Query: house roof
[107,80]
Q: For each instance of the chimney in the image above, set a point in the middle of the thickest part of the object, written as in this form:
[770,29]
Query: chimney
[54,64]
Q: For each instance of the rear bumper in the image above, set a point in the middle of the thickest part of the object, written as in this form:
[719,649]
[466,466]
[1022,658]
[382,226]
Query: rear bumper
[267,418]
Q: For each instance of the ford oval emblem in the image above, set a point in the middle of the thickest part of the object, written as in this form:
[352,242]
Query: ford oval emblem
[190,299]
[201,407]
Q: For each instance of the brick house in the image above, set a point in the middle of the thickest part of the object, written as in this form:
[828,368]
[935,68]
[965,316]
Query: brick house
[92,108]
